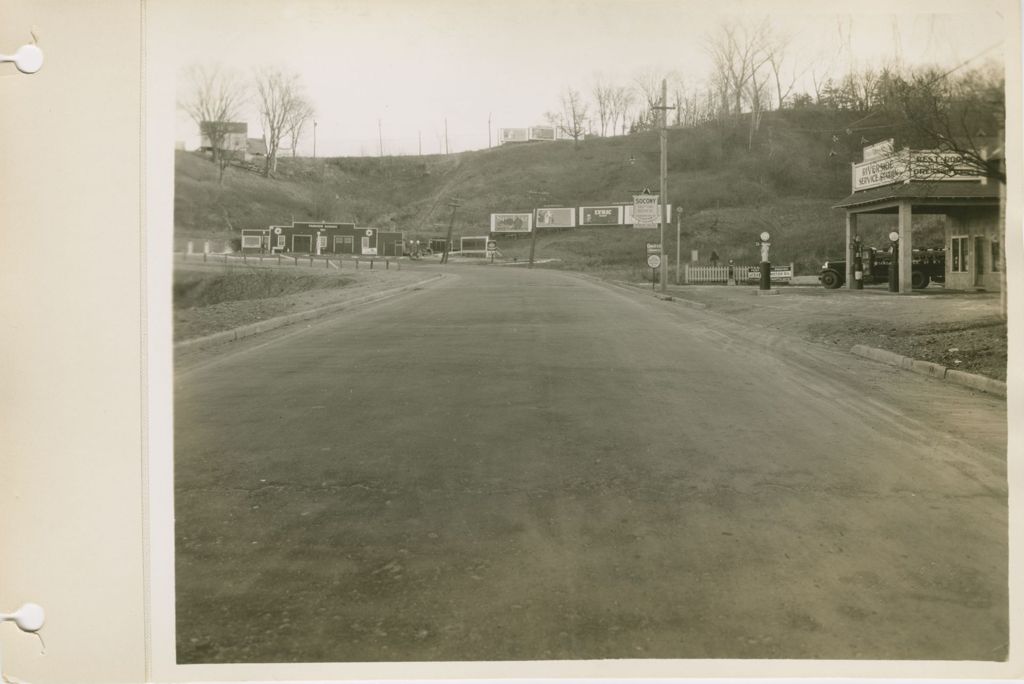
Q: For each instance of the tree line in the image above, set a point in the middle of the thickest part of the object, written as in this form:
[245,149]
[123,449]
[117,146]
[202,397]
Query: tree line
[755,69]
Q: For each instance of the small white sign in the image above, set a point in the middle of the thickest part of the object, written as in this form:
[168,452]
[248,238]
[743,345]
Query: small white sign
[654,261]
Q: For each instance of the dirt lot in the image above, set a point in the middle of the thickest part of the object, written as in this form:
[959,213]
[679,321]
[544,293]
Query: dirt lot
[209,298]
[962,330]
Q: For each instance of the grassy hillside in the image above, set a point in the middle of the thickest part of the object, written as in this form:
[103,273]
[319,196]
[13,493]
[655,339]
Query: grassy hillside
[729,190]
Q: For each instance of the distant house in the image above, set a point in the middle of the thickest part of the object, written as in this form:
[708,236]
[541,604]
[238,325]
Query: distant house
[235,136]
[255,148]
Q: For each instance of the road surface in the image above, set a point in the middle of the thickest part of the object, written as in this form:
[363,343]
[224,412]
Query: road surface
[520,465]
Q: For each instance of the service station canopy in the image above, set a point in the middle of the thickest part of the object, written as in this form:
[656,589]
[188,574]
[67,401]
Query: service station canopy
[908,182]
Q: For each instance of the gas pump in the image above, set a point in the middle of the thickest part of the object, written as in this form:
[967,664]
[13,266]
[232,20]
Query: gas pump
[894,265]
[858,265]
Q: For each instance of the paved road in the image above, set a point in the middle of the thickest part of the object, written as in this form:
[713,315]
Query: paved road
[530,465]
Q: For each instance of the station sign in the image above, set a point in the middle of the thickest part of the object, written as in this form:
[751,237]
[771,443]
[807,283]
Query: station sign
[907,165]
[645,211]
[627,215]
[654,248]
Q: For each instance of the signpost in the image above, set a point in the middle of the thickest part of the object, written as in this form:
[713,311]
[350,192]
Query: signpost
[654,261]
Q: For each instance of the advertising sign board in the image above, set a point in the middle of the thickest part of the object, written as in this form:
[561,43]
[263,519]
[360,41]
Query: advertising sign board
[654,261]
[542,133]
[654,248]
[777,274]
[514,134]
[601,216]
[556,217]
[511,223]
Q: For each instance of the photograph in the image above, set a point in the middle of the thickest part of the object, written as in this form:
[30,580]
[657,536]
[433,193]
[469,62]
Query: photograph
[684,344]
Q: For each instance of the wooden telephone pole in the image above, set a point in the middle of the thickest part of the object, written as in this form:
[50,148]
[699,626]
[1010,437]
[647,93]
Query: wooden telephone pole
[454,204]
[662,200]
[533,233]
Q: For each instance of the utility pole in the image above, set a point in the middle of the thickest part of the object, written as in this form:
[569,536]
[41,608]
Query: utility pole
[419,138]
[380,138]
[679,228]
[488,130]
[664,178]
[533,232]
[454,204]
[446,135]
[314,138]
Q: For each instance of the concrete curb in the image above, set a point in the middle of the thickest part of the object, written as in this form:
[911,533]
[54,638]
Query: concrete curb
[934,370]
[666,298]
[217,339]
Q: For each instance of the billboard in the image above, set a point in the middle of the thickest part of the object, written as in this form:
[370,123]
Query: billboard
[556,217]
[514,134]
[542,133]
[627,211]
[511,223]
[601,216]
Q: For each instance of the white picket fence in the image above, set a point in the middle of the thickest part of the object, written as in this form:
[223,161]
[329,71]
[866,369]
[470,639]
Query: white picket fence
[697,273]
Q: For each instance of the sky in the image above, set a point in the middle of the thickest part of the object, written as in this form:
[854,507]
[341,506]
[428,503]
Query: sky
[398,70]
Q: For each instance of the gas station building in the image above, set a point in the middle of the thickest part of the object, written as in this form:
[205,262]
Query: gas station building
[907,183]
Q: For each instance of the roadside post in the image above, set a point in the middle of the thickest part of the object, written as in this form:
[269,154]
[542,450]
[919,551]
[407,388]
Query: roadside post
[732,274]
[766,267]
[454,204]
[679,230]
[858,265]
[492,247]
[654,261]
[894,270]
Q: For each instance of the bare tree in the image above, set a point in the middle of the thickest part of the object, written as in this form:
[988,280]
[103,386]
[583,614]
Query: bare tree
[603,98]
[737,53]
[784,73]
[214,100]
[279,95]
[621,101]
[301,115]
[572,120]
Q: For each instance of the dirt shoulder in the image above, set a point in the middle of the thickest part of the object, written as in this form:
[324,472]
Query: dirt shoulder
[211,298]
[961,330]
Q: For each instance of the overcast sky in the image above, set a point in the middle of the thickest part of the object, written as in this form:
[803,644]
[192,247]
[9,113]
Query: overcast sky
[412,64]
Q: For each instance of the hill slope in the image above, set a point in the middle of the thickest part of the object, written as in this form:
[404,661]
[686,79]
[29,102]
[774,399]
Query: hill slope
[729,189]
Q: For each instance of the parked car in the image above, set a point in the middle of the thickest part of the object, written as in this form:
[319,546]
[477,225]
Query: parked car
[927,265]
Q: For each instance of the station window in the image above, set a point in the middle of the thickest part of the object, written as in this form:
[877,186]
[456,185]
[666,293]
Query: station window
[996,256]
[958,254]
[251,241]
[280,241]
